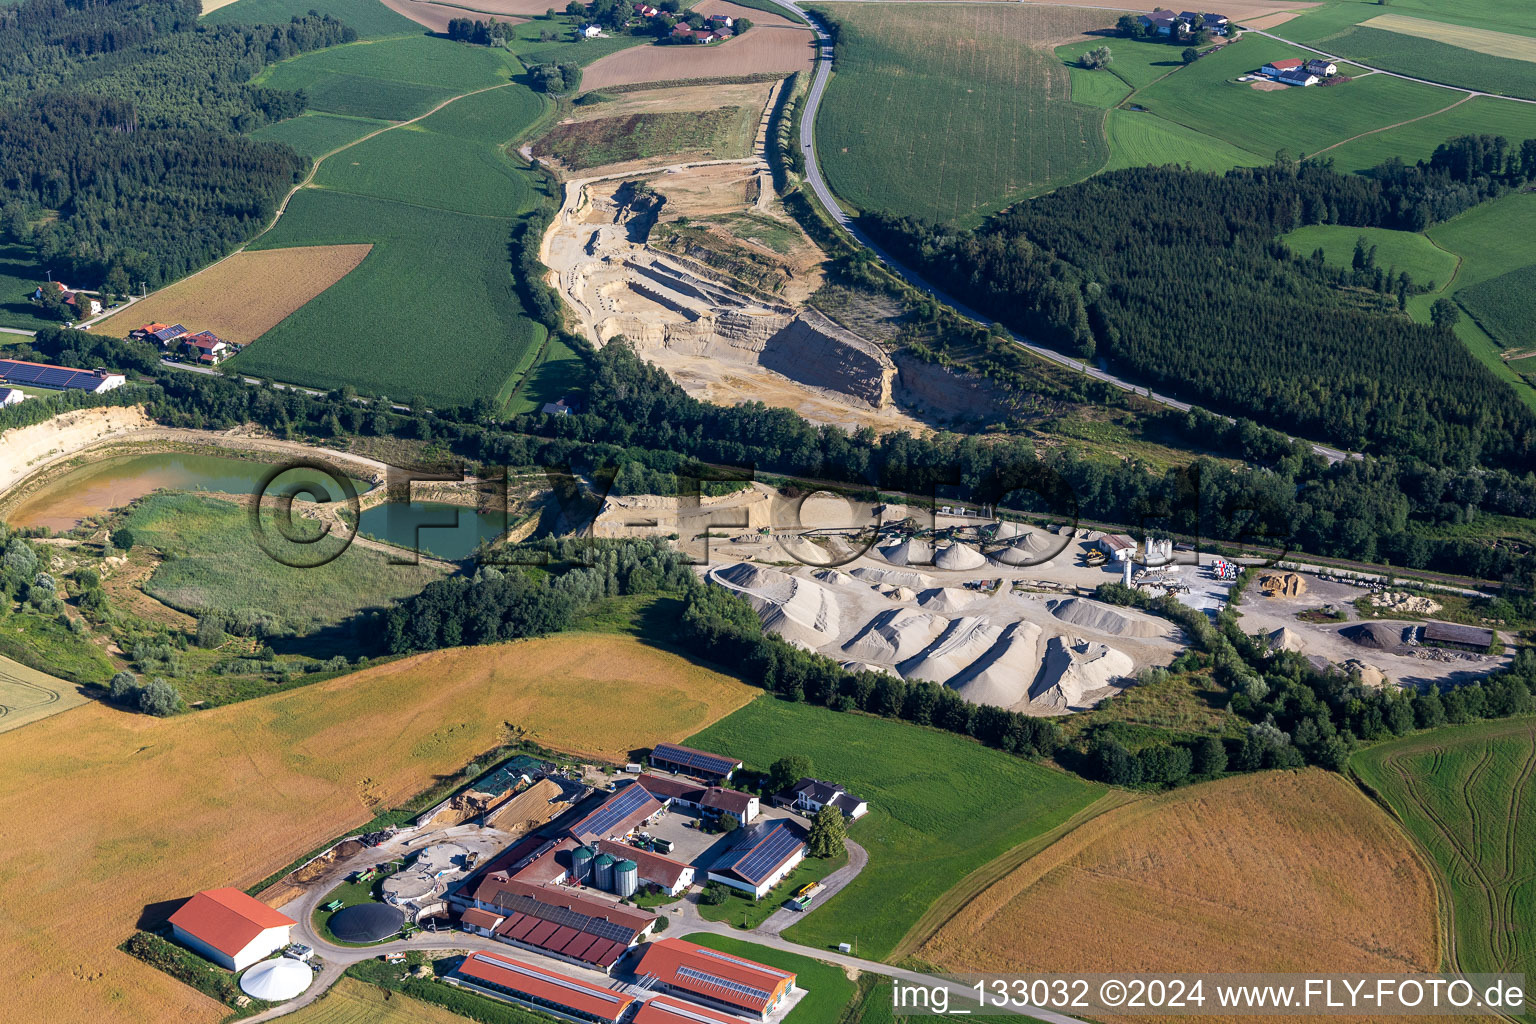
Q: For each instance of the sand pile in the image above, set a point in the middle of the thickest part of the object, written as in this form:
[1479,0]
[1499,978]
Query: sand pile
[864,666]
[1101,618]
[1370,675]
[893,578]
[1073,668]
[1285,639]
[1404,602]
[899,593]
[529,809]
[1378,636]
[1002,675]
[801,611]
[1282,584]
[908,552]
[962,643]
[836,578]
[895,635]
[960,557]
[1007,531]
[1030,548]
[946,599]
[806,551]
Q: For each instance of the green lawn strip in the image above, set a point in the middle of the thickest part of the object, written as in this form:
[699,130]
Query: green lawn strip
[828,992]
[955,124]
[431,311]
[1465,794]
[314,134]
[1138,138]
[1481,115]
[1097,88]
[560,373]
[42,643]
[740,910]
[940,806]
[1425,263]
[1207,97]
[20,274]
[370,18]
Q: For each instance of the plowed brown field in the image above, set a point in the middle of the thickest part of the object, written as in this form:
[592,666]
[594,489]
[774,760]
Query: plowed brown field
[245,296]
[103,813]
[773,44]
[1280,871]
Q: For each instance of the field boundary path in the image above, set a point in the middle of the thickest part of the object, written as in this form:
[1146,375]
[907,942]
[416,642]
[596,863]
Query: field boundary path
[828,201]
[1387,128]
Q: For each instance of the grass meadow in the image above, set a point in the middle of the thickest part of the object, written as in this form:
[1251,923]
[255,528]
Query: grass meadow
[370,18]
[940,807]
[1502,306]
[1138,138]
[313,134]
[352,1001]
[213,561]
[1395,250]
[1481,115]
[20,274]
[956,118]
[229,795]
[412,166]
[558,373]
[1206,96]
[1465,794]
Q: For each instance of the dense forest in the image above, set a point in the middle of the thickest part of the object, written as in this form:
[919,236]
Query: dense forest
[1176,277]
[122,151]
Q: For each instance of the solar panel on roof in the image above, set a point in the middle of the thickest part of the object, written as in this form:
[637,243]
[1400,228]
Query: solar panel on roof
[57,377]
[570,918]
[606,819]
[702,760]
[715,981]
[739,962]
[768,853]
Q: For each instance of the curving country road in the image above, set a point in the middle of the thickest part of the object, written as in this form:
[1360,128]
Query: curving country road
[828,201]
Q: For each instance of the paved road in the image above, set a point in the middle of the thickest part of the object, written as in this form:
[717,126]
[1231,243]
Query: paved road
[829,202]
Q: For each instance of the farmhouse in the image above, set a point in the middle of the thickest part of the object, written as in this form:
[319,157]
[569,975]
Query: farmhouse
[680,760]
[1214,23]
[230,928]
[1159,22]
[1464,638]
[1297,77]
[590,31]
[683,33]
[207,347]
[159,334]
[716,979]
[617,816]
[760,857]
[646,10]
[1292,71]
[58,378]
[811,795]
[721,21]
[10,396]
[84,304]
[1321,68]
[539,988]
[708,801]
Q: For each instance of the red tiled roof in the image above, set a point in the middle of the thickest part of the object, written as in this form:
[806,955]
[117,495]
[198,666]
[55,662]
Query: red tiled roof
[670,789]
[667,1010]
[543,983]
[1287,64]
[558,896]
[227,919]
[714,975]
[480,918]
[652,867]
[734,801]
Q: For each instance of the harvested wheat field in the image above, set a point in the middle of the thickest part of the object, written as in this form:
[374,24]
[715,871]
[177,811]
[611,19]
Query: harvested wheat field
[104,813]
[753,95]
[1279,871]
[773,45]
[245,296]
[435,17]
[27,695]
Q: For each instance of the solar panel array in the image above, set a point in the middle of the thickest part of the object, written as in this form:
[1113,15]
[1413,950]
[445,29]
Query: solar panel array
[564,916]
[715,981]
[759,854]
[606,819]
[60,377]
[700,760]
[739,962]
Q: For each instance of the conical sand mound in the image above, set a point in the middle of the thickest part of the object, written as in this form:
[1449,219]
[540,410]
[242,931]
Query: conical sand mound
[1285,639]
[1002,675]
[892,577]
[909,552]
[801,611]
[1101,618]
[959,556]
[1075,667]
[895,635]
[945,599]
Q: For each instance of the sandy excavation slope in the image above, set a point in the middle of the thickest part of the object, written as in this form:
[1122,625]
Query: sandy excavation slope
[26,449]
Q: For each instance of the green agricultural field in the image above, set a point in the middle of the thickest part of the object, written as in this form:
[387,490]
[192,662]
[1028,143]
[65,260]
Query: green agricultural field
[393,79]
[1465,794]
[213,561]
[558,374]
[1321,24]
[431,311]
[1491,239]
[1096,88]
[1138,138]
[828,992]
[1395,250]
[313,134]
[1437,61]
[1480,115]
[1206,96]
[20,274]
[370,18]
[1136,62]
[427,169]
[940,807]
[1502,306]
[723,134]
[565,47]
[952,116]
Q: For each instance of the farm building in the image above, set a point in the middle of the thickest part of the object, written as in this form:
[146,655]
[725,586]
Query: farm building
[1297,77]
[708,801]
[716,979]
[646,10]
[1120,547]
[560,923]
[670,757]
[1214,23]
[480,922]
[10,396]
[811,795]
[683,33]
[667,1010]
[539,988]
[1276,67]
[590,31]
[87,305]
[1321,68]
[230,928]
[159,334]
[617,816]
[673,876]
[58,378]
[1159,22]
[1462,638]
[207,347]
[760,857]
